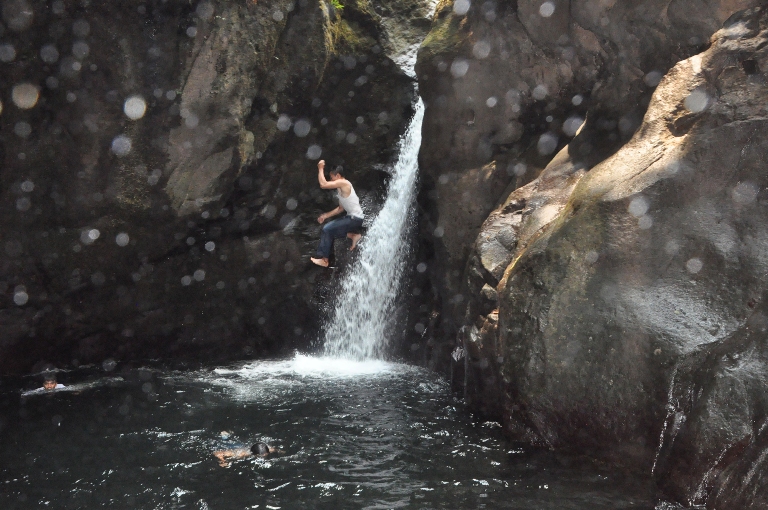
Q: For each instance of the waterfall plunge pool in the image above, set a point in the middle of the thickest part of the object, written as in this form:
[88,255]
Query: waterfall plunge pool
[354,435]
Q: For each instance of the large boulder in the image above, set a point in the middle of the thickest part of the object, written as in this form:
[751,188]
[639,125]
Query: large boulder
[158,169]
[506,84]
[618,310]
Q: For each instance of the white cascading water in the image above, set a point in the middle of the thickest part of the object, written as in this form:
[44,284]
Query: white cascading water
[364,310]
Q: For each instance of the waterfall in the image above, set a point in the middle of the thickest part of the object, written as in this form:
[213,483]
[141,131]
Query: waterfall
[364,310]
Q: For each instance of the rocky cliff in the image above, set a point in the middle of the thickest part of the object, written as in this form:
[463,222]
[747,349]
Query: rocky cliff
[158,174]
[610,300]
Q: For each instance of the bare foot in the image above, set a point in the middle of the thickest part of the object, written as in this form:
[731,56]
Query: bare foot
[319,262]
[355,238]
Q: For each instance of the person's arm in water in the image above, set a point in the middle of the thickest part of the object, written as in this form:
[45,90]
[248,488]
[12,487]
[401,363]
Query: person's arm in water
[227,456]
[327,215]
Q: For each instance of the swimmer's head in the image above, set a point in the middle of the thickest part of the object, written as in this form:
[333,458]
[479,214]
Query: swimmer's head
[49,381]
[260,449]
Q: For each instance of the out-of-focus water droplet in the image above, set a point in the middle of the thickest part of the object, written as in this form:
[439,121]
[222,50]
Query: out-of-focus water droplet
[135,107]
[653,78]
[98,278]
[671,247]
[291,204]
[71,97]
[186,280]
[220,285]
[170,95]
[302,128]
[7,53]
[192,31]
[591,257]
[27,186]
[459,67]
[23,204]
[421,267]
[210,246]
[571,125]
[20,298]
[122,239]
[577,100]
[49,54]
[121,145]
[519,169]
[438,232]
[745,193]
[351,137]
[491,102]
[284,122]
[547,144]
[25,95]
[461,7]
[57,7]
[191,121]
[314,152]
[81,28]
[481,49]
[638,206]
[547,9]
[199,275]
[697,101]
[22,129]
[81,50]
[645,222]
[205,10]
[694,265]
[277,16]
[540,92]
[18,14]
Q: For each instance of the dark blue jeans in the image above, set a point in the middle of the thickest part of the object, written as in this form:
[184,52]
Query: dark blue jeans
[336,229]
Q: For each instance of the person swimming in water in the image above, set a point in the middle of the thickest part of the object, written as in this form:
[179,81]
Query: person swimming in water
[260,449]
[348,225]
[49,382]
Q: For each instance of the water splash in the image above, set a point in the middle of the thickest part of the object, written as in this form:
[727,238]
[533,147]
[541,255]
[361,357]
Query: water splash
[363,313]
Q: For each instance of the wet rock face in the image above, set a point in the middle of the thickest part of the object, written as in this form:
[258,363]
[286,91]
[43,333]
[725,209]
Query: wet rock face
[509,83]
[628,318]
[159,169]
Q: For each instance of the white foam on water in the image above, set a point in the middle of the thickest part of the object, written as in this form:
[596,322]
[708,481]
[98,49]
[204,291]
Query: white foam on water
[275,372]
[363,313]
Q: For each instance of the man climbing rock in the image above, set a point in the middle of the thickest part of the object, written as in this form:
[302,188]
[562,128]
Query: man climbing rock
[348,225]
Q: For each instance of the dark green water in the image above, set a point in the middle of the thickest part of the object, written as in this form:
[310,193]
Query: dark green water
[354,435]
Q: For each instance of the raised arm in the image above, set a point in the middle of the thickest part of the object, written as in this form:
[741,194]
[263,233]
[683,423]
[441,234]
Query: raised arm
[325,184]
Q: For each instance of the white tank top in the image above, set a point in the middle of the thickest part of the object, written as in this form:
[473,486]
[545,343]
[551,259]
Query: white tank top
[351,204]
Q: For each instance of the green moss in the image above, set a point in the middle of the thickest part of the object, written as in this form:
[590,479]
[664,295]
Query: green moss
[349,38]
[446,35]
